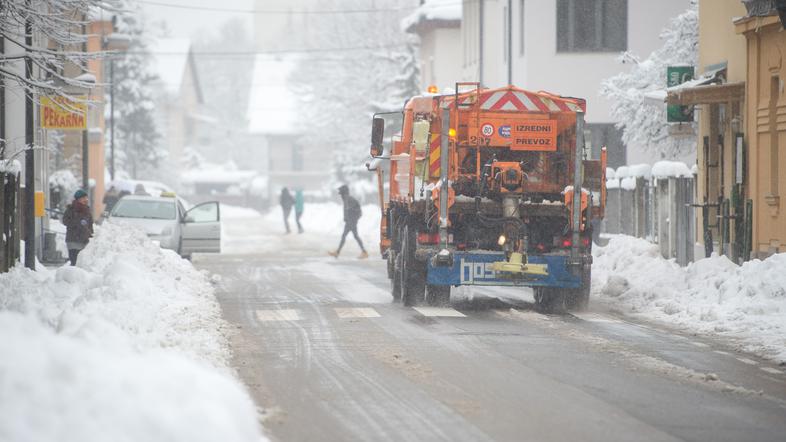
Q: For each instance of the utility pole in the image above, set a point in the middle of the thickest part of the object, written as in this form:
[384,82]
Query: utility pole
[111,118]
[2,105]
[29,215]
[480,44]
[510,42]
[85,141]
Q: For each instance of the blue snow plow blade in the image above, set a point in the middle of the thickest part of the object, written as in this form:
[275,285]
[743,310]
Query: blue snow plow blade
[475,268]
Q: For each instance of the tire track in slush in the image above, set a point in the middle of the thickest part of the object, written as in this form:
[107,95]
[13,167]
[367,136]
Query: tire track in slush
[395,420]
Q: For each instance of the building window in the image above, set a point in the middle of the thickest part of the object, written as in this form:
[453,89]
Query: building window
[592,25]
[775,85]
[521,27]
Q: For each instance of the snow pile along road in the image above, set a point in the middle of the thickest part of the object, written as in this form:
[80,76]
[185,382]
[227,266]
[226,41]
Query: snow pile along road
[127,346]
[713,295]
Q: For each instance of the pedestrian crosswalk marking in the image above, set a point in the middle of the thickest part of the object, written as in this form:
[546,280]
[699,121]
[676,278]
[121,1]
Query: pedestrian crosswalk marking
[278,315]
[771,370]
[359,312]
[747,361]
[594,317]
[439,312]
[698,344]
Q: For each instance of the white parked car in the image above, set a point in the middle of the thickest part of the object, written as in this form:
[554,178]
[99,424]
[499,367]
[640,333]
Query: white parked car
[165,220]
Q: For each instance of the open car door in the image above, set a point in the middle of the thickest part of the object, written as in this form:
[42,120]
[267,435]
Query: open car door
[201,232]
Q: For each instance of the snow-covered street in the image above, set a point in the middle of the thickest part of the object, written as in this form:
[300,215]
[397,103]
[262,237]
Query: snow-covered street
[327,355]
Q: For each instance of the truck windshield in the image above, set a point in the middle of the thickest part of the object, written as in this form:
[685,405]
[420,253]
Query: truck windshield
[144,209]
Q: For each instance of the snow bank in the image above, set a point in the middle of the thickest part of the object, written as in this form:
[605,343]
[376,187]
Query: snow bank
[126,346]
[669,169]
[713,295]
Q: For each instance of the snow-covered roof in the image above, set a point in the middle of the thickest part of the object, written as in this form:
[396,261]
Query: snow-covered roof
[170,59]
[435,13]
[272,109]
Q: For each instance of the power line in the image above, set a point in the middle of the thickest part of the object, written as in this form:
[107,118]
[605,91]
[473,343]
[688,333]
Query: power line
[269,52]
[278,11]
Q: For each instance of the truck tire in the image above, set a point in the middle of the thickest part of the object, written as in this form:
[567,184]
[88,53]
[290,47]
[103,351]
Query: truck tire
[413,275]
[549,299]
[578,299]
[437,295]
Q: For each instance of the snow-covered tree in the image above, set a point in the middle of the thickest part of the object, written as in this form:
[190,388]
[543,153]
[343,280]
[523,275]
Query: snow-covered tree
[56,32]
[642,120]
[342,89]
[226,83]
[137,139]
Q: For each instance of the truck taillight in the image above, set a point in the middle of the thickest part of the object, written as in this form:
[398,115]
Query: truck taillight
[568,242]
[428,238]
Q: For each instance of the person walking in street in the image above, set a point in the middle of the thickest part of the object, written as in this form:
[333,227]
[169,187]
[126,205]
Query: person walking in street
[78,220]
[299,206]
[110,198]
[286,202]
[140,190]
[352,214]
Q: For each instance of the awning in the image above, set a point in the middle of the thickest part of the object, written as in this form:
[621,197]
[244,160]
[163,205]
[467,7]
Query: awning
[710,87]
[706,94]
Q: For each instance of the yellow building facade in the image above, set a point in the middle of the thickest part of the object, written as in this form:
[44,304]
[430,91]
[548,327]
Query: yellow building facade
[765,129]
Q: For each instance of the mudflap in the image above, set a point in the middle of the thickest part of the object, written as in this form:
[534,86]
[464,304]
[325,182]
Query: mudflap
[476,268]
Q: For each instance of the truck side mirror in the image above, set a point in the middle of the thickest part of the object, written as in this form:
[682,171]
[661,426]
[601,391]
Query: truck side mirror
[377,134]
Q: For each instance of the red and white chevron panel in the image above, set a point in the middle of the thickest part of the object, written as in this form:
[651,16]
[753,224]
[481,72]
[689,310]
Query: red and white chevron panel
[507,100]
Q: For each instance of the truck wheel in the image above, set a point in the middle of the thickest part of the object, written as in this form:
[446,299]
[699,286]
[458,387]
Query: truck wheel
[413,275]
[549,300]
[437,295]
[578,299]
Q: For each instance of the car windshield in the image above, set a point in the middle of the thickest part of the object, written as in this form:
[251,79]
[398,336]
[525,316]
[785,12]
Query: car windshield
[144,209]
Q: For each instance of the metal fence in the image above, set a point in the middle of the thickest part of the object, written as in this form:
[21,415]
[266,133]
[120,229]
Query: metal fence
[658,210]
[10,220]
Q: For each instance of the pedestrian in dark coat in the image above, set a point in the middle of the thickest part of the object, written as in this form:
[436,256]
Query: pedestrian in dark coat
[110,198]
[299,207]
[352,214]
[286,202]
[78,220]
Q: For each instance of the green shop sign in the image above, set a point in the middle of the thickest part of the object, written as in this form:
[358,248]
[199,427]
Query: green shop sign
[676,75]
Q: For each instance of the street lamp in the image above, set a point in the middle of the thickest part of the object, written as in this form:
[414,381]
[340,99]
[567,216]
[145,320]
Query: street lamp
[113,42]
[89,79]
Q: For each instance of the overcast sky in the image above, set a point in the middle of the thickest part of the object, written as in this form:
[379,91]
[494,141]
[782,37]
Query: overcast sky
[184,20]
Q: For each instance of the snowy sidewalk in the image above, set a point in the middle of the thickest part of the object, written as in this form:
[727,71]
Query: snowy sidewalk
[711,296]
[128,346]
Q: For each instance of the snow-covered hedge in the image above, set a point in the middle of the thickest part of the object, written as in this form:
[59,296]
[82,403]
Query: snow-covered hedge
[712,295]
[126,346]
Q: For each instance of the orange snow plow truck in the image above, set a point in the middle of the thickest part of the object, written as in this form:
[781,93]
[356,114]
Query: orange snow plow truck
[478,188]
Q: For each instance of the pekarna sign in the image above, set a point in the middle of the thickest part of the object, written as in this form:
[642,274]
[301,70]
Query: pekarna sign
[60,113]
[539,135]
